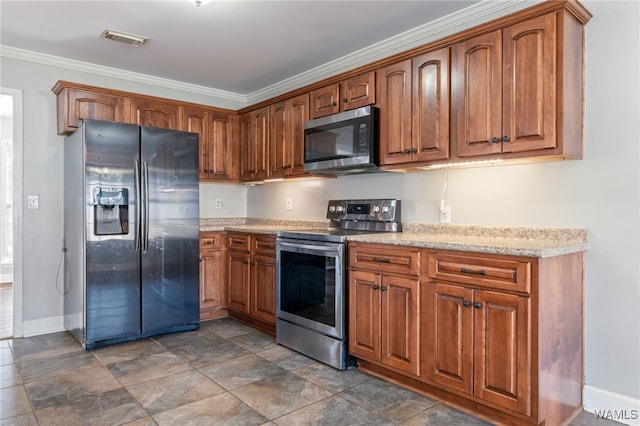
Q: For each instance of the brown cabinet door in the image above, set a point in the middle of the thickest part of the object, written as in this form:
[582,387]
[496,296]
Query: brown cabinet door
[82,104]
[358,91]
[278,140]
[263,288]
[246,146]
[324,101]
[298,113]
[164,115]
[529,97]
[399,315]
[212,283]
[477,95]
[394,100]
[502,333]
[254,141]
[261,118]
[364,315]
[196,121]
[448,342]
[221,151]
[431,98]
[238,275]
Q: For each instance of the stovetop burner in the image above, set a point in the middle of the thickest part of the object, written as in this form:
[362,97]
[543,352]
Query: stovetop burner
[352,217]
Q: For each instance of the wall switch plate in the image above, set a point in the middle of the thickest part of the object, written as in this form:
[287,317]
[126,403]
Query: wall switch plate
[445,215]
[289,204]
[218,203]
[33,202]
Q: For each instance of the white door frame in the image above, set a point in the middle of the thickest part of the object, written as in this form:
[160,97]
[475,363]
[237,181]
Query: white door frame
[17,209]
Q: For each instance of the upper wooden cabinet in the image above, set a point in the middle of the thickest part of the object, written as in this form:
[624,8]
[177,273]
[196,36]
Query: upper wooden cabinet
[354,92]
[152,113]
[414,109]
[286,136]
[254,145]
[517,90]
[76,104]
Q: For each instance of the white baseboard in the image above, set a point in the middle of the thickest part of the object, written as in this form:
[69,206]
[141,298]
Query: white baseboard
[612,406]
[43,326]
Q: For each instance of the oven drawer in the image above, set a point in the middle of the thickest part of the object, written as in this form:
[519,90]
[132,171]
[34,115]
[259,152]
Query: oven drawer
[502,274]
[387,259]
[238,241]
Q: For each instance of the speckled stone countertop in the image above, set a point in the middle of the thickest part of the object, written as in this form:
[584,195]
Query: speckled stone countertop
[529,242]
[513,241]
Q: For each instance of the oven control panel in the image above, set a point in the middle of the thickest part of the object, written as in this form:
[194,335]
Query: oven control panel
[376,210]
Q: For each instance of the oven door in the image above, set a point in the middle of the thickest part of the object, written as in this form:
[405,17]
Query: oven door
[310,288]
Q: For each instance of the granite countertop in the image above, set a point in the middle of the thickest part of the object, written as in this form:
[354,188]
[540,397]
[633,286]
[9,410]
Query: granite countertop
[512,241]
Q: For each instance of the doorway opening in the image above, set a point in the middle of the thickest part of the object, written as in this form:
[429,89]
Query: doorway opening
[10,223]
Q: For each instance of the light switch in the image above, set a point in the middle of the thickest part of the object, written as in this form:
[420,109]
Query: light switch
[33,202]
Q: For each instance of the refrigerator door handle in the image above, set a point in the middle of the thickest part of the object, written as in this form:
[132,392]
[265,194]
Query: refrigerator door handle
[145,220]
[138,216]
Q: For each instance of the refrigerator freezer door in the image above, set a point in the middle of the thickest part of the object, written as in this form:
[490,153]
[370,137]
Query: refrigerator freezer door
[112,262]
[170,254]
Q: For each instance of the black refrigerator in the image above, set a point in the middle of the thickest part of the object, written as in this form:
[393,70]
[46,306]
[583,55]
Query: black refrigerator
[131,232]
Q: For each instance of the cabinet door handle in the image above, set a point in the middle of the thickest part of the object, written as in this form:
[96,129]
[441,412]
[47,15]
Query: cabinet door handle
[333,103]
[495,140]
[383,288]
[477,305]
[471,271]
[374,286]
[466,303]
[381,260]
[345,100]
[506,139]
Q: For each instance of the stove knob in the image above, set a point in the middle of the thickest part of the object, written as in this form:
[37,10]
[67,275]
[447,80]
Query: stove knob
[386,209]
[376,209]
[339,209]
[332,209]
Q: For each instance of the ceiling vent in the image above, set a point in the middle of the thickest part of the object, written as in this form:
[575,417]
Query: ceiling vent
[122,37]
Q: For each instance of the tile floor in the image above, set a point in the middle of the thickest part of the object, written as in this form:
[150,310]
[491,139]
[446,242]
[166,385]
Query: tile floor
[223,373]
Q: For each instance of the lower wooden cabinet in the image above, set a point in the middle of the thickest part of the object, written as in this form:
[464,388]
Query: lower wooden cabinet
[251,279]
[499,336]
[212,276]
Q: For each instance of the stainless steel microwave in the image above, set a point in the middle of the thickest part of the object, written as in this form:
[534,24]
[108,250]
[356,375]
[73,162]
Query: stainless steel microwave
[342,143]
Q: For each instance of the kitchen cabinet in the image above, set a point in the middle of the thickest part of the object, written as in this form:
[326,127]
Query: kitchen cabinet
[510,89]
[414,109]
[353,92]
[154,113]
[217,148]
[212,276]
[384,306]
[75,104]
[254,145]
[286,136]
[251,279]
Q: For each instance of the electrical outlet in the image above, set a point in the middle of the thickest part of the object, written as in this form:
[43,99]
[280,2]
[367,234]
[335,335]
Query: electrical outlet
[33,202]
[218,203]
[445,215]
[289,204]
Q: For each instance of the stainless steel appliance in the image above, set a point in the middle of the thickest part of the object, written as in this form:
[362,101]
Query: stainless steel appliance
[131,226]
[342,143]
[311,278]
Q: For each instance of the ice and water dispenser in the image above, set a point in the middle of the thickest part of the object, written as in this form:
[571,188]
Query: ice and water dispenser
[111,211]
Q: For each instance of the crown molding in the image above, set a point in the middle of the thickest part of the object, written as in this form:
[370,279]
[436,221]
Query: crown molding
[461,20]
[222,99]
[458,21]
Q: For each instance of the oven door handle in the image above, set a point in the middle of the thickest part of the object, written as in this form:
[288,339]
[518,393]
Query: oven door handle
[299,246]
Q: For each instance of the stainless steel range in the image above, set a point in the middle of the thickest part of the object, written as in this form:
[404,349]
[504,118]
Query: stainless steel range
[311,277]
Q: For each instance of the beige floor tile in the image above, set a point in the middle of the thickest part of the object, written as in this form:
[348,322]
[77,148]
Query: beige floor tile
[127,351]
[47,345]
[9,376]
[41,368]
[26,419]
[13,401]
[331,379]
[286,358]
[330,412]
[147,368]
[6,357]
[241,371]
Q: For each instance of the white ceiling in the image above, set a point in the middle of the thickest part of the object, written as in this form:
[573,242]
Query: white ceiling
[229,45]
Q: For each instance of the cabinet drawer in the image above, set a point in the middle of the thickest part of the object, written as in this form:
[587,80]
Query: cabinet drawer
[211,241]
[264,245]
[502,274]
[387,259]
[238,241]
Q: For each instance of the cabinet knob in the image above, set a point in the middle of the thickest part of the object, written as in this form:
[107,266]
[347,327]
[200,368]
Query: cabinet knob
[414,150]
[466,303]
[406,151]
[374,286]
[477,305]
[495,140]
[345,100]
[383,288]
[333,103]
[506,139]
